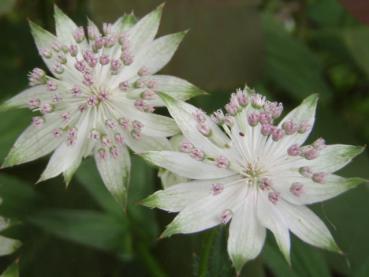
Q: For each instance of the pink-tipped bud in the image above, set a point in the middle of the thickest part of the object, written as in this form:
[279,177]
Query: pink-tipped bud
[277,134]
[289,127]
[253,119]
[80,66]
[226,216]
[46,108]
[114,151]
[73,50]
[231,108]
[57,133]
[222,162]
[137,125]
[140,105]
[58,69]
[94,135]
[266,129]
[79,34]
[76,91]
[151,84]
[199,116]
[204,129]
[51,85]
[310,153]
[110,124]
[319,177]
[102,154]
[216,188]
[46,53]
[115,65]
[36,77]
[229,120]
[218,117]
[34,103]
[88,79]
[294,150]
[118,138]
[303,127]
[106,141]
[148,94]
[136,134]
[273,197]
[124,86]
[197,154]
[143,71]
[306,171]
[319,144]
[265,118]
[242,97]
[72,136]
[126,58]
[104,59]
[275,109]
[297,189]
[82,107]
[103,95]
[65,117]
[92,100]
[99,43]
[258,101]
[124,123]
[265,184]
[186,146]
[38,121]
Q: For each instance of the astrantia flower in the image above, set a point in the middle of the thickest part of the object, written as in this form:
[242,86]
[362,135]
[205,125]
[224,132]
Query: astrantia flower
[100,98]
[255,174]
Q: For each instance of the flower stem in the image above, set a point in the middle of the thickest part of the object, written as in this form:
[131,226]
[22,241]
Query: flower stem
[205,252]
[151,264]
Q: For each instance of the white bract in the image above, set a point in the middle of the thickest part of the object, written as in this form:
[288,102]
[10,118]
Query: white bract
[100,98]
[255,174]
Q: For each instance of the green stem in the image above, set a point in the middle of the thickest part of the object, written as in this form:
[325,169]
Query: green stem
[149,261]
[205,252]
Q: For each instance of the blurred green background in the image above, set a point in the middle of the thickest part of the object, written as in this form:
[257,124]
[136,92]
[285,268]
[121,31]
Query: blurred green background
[286,49]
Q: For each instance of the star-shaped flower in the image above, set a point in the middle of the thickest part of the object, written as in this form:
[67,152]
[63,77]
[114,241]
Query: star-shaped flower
[255,173]
[100,97]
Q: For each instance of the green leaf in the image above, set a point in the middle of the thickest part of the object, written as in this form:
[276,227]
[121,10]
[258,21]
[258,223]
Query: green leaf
[11,271]
[6,6]
[90,228]
[357,41]
[290,64]
[306,261]
[363,270]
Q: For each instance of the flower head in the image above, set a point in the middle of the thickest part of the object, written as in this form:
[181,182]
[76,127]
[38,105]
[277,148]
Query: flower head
[255,173]
[100,96]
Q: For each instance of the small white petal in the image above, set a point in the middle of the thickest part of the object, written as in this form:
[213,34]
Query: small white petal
[307,226]
[177,197]
[206,212]
[183,165]
[115,173]
[246,235]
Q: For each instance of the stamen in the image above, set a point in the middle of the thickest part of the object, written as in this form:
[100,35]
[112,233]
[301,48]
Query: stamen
[253,119]
[217,188]
[222,162]
[226,216]
[297,189]
[265,184]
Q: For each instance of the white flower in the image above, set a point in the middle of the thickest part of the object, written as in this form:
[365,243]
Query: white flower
[100,98]
[256,174]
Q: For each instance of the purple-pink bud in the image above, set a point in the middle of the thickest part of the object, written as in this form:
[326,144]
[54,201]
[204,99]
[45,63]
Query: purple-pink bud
[294,150]
[204,129]
[37,121]
[319,144]
[289,127]
[303,127]
[266,129]
[186,146]
[226,216]
[217,188]
[123,86]
[265,184]
[273,197]
[253,119]
[277,134]
[297,189]
[222,162]
[319,177]
[197,154]
[265,118]
[310,153]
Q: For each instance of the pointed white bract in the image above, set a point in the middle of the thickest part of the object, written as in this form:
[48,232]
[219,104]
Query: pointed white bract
[252,170]
[100,97]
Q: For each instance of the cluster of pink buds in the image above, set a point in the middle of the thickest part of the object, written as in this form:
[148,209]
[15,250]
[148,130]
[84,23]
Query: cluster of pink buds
[136,132]
[37,77]
[72,136]
[202,125]
[142,106]
[309,152]
[317,177]
[189,148]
